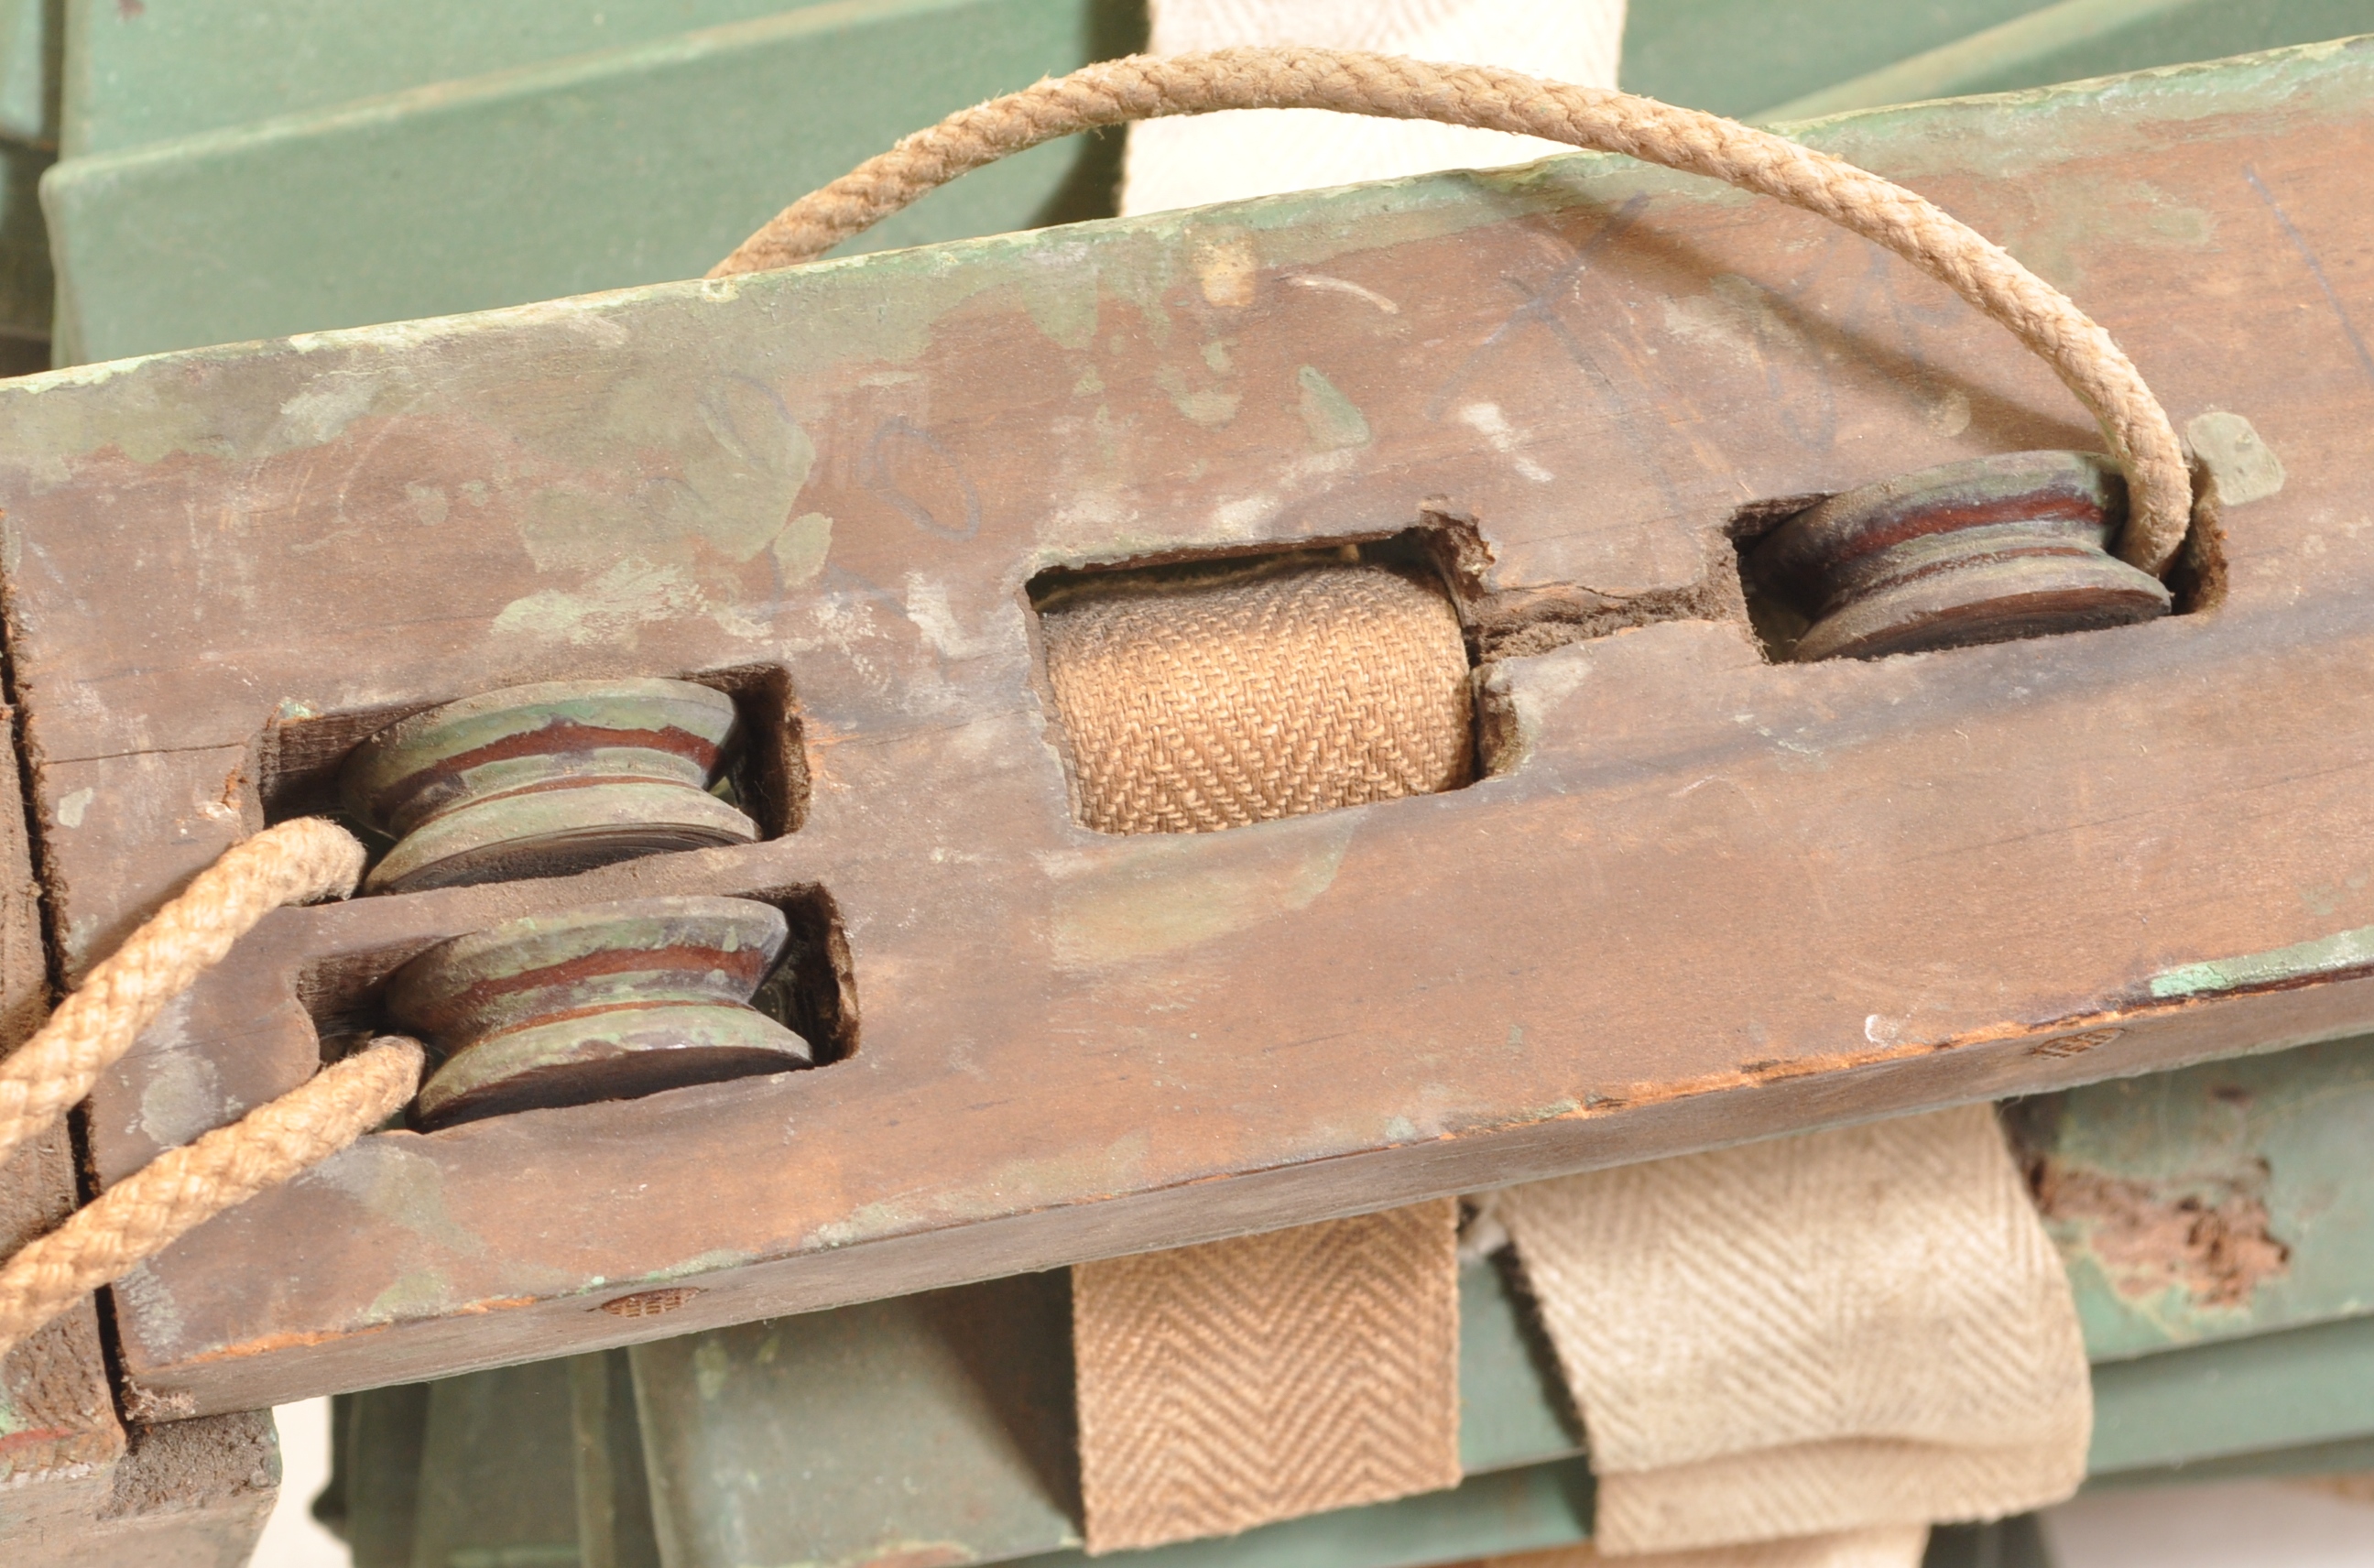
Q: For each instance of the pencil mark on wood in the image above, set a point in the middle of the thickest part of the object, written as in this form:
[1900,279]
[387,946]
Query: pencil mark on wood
[902,456]
[2316,270]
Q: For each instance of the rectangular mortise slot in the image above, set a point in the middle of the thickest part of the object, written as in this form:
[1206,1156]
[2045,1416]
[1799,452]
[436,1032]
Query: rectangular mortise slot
[1965,554]
[1207,692]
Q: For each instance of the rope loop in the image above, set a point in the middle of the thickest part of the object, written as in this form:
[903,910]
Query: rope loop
[1114,93]
[140,1216]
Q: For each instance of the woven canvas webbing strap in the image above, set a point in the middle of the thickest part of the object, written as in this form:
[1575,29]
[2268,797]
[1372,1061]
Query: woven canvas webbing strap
[1239,696]
[1262,1378]
[1230,1385]
[1843,1329]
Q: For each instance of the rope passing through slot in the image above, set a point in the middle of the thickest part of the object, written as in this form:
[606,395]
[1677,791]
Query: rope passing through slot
[138,1217]
[1115,92]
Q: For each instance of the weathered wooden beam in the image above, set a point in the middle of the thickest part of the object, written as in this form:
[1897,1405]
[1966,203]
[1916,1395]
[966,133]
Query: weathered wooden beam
[76,1489]
[1699,898]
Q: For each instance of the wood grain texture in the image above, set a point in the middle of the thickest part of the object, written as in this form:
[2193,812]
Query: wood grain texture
[59,1437]
[1701,898]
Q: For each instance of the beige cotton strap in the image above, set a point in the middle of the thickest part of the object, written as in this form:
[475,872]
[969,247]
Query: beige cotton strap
[1264,693]
[1264,1378]
[1857,1327]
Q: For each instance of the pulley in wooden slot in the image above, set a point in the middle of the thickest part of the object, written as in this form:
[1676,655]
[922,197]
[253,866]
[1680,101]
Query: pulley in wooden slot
[1984,551]
[545,780]
[609,1002]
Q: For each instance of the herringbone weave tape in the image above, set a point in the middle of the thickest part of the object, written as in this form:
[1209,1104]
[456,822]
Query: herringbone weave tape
[1241,1382]
[1855,1328]
[1264,692]
[1890,1546]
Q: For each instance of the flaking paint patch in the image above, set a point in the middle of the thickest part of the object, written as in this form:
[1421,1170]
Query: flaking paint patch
[2144,216]
[1487,421]
[1162,893]
[2336,954]
[2246,467]
[611,608]
[181,1099]
[2197,1247]
[1210,407]
[415,1293]
[321,413]
[927,606]
[1332,420]
[801,548]
[72,806]
[1227,268]
[1061,292]
[152,1306]
[400,1185]
[1534,689]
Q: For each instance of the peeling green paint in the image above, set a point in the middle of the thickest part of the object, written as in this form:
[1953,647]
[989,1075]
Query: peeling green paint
[800,549]
[1333,419]
[2280,966]
[2246,467]
[610,609]
[419,1293]
[1159,894]
[1210,407]
[403,1185]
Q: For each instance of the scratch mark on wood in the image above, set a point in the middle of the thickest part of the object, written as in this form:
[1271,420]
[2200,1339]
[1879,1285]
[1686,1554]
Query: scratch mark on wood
[2316,270]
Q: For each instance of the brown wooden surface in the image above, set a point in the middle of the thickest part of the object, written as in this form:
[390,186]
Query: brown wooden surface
[1705,898]
[59,1437]
[76,1489]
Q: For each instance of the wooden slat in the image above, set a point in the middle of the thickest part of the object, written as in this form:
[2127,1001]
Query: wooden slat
[627,165]
[1703,898]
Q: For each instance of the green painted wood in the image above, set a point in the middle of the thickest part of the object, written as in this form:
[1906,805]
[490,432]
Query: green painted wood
[29,61]
[2347,1456]
[631,165]
[498,1472]
[24,254]
[1738,56]
[2078,38]
[376,1478]
[1513,1405]
[934,1423]
[614,1494]
[2264,1392]
[2259,1160]
[935,1427]
[167,68]
[1521,1510]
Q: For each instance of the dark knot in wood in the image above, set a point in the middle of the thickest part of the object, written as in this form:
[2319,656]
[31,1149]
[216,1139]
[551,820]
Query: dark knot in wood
[545,781]
[1984,551]
[609,1002]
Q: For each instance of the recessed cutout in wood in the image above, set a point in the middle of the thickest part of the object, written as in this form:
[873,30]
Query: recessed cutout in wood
[1996,549]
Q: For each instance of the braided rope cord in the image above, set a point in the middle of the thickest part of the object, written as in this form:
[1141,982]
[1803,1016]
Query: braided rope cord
[1115,92]
[141,1215]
